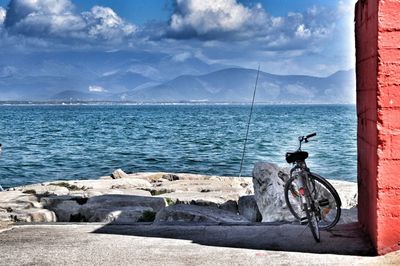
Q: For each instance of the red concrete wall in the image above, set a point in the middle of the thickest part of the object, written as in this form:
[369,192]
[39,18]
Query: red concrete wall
[377,27]
[366,28]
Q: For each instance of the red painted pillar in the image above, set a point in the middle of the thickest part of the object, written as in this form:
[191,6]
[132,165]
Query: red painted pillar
[377,27]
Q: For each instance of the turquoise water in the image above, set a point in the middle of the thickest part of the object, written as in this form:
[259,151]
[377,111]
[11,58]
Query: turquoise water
[43,143]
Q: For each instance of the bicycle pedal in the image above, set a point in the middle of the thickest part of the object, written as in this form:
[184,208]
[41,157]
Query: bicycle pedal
[323,202]
[303,220]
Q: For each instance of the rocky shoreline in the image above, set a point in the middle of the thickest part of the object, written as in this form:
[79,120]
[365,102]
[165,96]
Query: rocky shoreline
[160,198]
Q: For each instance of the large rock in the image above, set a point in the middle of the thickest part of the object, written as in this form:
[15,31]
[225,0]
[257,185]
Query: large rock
[122,215]
[32,215]
[248,208]
[269,192]
[67,210]
[224,201]
[103,199]
[182,213]
[269,180]
[108,208]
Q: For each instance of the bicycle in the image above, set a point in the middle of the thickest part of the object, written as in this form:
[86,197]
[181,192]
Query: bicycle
[309,193]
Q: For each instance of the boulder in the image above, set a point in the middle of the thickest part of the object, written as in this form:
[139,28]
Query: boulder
[117,174]
[268,182]
[247,207]
[182,213]
[108,208]
[66,210]
[123,215]
[33,215]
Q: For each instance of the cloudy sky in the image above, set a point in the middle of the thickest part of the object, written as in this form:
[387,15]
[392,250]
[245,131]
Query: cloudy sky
[313,37]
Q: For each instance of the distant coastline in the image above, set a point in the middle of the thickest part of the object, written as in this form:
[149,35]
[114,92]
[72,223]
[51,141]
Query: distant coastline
[71,103]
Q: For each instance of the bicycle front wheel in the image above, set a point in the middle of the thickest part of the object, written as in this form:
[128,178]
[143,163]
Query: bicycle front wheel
[322,192]
[312,222]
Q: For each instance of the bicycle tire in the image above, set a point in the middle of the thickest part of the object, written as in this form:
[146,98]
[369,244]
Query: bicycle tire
[329,215]
[313,223]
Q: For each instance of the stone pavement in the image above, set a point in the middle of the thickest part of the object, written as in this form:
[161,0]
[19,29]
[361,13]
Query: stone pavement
[100,244]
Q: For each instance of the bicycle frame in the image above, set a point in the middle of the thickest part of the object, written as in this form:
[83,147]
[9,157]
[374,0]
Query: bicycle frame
[302,172]
[301,176]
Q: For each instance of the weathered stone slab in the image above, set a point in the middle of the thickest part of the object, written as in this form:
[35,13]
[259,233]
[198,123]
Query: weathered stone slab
[182,213]
[99,208]
[219,200]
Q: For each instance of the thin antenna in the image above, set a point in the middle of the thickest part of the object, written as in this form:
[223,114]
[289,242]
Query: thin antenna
[248,123]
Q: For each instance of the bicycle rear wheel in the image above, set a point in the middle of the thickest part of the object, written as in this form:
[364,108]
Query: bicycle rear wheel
[323,193]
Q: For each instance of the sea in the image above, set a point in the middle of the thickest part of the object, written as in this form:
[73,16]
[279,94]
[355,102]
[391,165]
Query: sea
[84,141]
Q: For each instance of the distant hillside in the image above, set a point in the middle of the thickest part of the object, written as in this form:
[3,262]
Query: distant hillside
[72,95]
[43,76]
[237,84]
[227,85]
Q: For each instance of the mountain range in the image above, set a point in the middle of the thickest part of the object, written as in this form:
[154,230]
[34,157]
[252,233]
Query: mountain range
[120,76]
[237,85]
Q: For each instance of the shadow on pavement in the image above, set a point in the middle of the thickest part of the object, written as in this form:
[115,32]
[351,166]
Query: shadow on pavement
[345,239]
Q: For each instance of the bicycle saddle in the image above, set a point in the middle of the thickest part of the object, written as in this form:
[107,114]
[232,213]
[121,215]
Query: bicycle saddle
[292,157]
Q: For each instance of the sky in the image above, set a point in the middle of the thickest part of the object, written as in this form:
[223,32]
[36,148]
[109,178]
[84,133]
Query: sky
[308,37]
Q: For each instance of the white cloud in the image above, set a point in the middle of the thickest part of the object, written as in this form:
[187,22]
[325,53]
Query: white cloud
[204,16]
[2,15]
[302,32]
[105,23]
[230,20]
[95,88]
[58,19]
[277,21]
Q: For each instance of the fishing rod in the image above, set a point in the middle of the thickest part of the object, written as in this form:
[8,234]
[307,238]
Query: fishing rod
[248,123]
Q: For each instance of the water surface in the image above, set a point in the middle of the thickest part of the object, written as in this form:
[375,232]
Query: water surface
[43,143]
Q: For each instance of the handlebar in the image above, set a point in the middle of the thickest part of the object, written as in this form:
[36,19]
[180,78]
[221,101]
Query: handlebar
[311,135]
[305,139]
